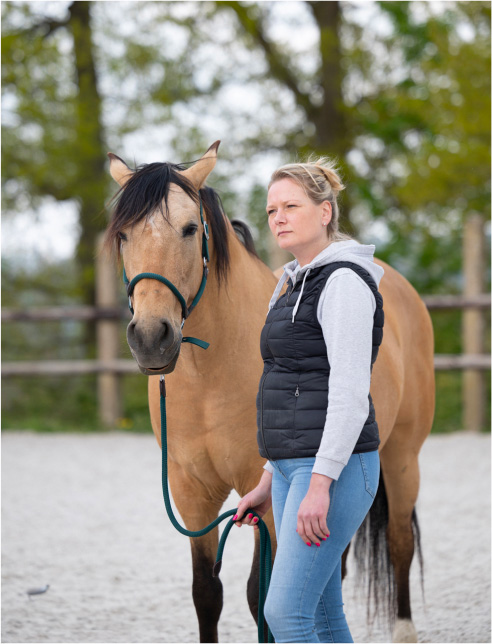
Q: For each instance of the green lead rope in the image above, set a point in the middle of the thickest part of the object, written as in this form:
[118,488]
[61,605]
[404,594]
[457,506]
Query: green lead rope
[265,543]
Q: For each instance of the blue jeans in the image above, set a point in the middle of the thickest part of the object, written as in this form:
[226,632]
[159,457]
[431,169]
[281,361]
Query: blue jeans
[304,602]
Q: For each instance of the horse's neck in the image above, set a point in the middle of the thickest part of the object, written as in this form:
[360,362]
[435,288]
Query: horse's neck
[232,315]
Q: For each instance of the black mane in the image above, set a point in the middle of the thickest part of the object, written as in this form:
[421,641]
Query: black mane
[147,190]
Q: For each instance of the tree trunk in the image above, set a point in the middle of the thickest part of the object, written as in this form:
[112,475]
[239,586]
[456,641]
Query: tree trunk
[92,180]
[329,117]
[331,136]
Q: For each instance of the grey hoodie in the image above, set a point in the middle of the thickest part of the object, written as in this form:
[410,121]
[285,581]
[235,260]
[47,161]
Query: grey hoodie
[345,312]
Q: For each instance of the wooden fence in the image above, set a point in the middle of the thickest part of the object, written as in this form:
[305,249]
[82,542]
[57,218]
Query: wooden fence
[110,367]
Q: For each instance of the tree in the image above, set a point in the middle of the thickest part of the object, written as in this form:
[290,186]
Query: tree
[53,139]
[423,136]
[398,91]
[395,104]
[389,103]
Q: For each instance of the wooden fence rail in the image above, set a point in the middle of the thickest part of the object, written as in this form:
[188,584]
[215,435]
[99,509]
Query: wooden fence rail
[67,367]
[436,302]
[442,362]
[54,313]
[86,313]
[108,315]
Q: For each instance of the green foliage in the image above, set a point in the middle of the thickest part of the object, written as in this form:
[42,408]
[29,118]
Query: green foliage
[39,114]
[52,137]
[259,221]
[424,135]
[448,417]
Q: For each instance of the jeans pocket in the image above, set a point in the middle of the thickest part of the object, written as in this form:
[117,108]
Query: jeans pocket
[371,485]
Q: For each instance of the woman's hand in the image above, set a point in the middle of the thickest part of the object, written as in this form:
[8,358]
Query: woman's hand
[311,517]
[259,500]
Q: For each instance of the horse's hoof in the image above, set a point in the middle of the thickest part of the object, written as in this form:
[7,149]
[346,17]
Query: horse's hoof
[404,631]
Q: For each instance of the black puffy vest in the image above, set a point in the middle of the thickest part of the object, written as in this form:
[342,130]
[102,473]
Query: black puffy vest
[292,398]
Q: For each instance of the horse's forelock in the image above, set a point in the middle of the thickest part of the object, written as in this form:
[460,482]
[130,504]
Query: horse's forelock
[147,190]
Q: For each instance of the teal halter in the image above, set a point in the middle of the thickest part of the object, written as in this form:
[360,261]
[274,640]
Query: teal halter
[130,285]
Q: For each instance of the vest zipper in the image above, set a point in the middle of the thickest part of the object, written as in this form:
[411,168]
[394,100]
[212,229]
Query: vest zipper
[289,294]
[297,391]
[261,417]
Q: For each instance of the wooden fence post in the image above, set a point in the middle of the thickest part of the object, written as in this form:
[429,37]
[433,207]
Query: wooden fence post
[109,384]
[473,322]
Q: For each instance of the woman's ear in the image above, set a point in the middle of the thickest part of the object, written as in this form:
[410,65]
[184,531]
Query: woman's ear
[327,212]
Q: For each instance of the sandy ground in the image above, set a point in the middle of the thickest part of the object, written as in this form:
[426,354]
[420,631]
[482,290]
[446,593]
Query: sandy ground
[84,514]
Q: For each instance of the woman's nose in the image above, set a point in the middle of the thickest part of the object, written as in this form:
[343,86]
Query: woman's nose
[279,216]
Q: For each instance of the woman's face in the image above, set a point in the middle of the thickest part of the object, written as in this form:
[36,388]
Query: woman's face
[296,222]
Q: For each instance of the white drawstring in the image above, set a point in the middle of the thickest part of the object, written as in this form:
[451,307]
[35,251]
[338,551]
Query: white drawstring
[300,295]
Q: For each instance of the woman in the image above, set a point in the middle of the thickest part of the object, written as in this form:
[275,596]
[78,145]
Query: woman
[316,420]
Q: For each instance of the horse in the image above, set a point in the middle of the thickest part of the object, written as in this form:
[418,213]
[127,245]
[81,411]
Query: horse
[156,227]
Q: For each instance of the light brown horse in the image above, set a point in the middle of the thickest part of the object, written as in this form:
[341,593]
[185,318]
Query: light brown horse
[211,394]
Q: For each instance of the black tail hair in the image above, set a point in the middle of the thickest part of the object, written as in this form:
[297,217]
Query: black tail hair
[375,570]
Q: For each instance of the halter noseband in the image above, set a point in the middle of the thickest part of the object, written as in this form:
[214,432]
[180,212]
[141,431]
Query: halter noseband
[130,285]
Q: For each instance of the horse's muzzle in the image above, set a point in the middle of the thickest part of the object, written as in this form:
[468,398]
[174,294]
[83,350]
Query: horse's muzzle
[155,345]
[148,371]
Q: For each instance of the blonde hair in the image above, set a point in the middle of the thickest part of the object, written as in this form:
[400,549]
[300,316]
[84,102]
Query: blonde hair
[320,180]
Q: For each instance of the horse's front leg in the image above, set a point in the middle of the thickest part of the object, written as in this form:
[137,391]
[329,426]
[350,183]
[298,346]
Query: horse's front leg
[207,590]
[198,509]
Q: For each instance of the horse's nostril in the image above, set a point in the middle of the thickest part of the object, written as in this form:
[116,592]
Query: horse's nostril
[131,328]
[167,337]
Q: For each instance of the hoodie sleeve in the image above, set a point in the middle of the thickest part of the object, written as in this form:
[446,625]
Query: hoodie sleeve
[345,313]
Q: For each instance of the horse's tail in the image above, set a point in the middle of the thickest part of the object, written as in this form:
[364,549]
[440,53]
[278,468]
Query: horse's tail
[375,570]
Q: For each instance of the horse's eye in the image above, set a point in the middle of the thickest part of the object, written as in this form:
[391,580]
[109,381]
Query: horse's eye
[190,230]
[122,236]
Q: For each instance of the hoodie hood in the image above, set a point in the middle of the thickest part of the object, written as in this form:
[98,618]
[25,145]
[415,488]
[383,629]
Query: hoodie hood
[346,251]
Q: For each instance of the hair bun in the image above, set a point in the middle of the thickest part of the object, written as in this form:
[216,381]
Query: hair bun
[329,170]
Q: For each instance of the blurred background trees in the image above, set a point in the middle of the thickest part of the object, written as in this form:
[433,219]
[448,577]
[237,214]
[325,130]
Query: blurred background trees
[398,92]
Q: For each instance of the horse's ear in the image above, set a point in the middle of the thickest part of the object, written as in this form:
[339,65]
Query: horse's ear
[200,170]
[118,169]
